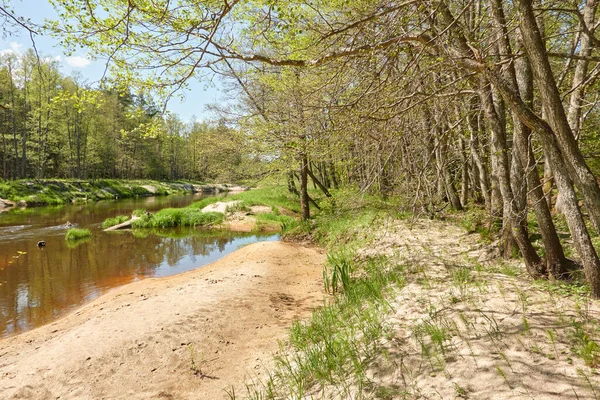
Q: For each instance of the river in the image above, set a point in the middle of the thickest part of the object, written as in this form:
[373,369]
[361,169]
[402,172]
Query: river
[38,285]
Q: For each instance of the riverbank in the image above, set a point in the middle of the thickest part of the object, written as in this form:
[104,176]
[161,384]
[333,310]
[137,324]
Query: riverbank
[424,309]
[416,308]
[43,192]
[194,335]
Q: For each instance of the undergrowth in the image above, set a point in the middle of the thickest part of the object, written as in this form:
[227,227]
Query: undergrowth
[338,343]
[41,192]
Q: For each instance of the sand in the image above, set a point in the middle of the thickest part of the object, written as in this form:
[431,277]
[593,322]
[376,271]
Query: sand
[220,206]
[190,336]
[506,337]
[198,334]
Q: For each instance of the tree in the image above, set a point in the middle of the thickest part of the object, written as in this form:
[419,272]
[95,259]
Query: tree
[375,89]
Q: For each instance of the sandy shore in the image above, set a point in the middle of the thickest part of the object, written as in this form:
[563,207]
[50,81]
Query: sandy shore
[190,336]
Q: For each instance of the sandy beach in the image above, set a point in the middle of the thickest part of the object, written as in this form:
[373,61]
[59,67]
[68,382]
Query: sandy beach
[190,336]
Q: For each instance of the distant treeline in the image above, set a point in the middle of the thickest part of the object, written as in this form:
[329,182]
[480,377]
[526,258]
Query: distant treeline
[54,126]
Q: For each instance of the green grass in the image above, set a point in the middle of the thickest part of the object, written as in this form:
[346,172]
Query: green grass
[174,217]
[476,220]
[119,219]
[272,196]
[342,337]
[75,234]
[283,222]
[584,346]
[336,345]
[42,192]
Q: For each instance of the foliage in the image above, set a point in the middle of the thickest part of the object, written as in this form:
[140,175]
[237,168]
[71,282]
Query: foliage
[57,126]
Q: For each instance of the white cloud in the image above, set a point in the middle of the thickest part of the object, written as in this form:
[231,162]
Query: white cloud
[77,61]
[50,59]
[14,48]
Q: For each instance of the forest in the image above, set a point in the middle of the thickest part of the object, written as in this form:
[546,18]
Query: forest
[56,126]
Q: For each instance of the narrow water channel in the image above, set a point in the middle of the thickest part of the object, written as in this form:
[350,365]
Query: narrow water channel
[38,285]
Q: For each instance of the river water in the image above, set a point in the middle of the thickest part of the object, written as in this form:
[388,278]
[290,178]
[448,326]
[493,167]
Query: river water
[38,285]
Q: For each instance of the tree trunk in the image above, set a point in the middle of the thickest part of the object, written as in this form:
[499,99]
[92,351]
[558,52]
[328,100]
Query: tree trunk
[464,176]
[318,183]
[575,221]
[477,157]
[581,69]
[334,178]
[557,118]
[513,216]
[556,262]
[291,184]
[304,199]
[444,176]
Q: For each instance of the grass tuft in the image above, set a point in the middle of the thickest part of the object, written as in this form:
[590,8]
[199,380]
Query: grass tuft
[341,338]
[74,234]
[119,219]
[174,217]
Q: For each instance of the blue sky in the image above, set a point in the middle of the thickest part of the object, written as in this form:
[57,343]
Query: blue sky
[196,97]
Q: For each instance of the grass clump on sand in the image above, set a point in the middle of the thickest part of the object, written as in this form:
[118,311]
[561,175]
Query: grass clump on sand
[78,234]
[285,207]
[272,196]
[340,339]
[276,221]
[119,219]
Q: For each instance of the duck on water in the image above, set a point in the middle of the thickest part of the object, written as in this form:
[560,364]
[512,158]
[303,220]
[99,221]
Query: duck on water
[42,243]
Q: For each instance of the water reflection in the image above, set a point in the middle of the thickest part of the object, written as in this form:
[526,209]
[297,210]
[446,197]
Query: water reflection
[37,285]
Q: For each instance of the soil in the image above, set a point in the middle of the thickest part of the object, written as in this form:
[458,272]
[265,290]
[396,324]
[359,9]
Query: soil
[196,335]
